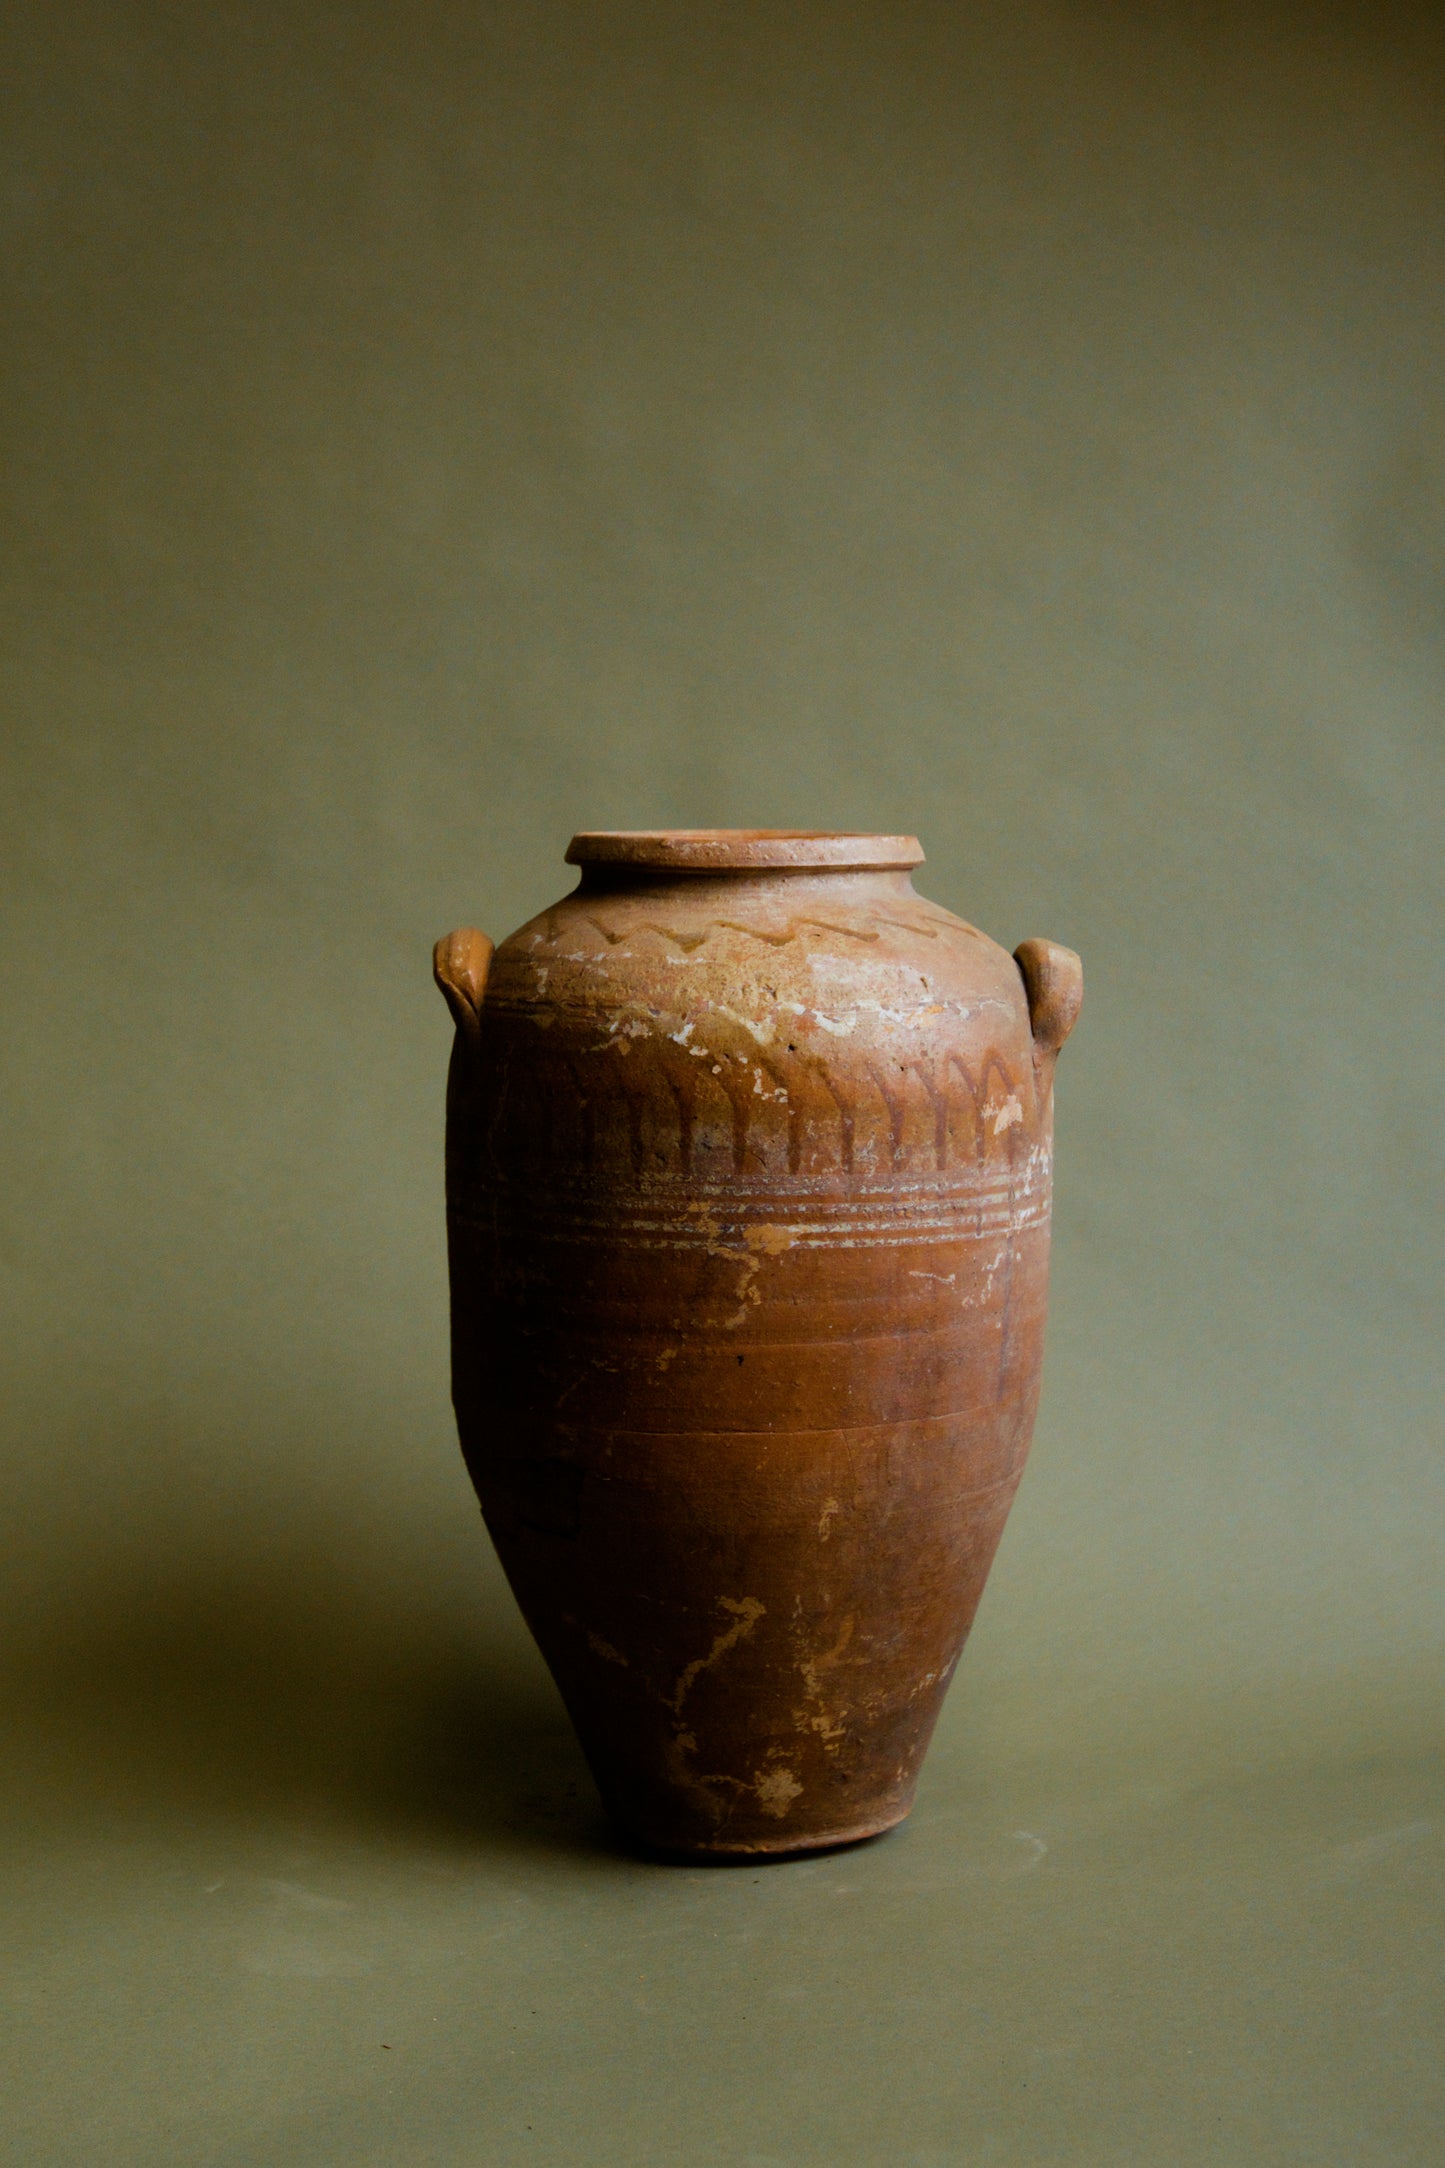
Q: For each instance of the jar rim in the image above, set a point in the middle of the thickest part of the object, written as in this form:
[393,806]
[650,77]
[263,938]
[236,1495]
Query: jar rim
[742,850]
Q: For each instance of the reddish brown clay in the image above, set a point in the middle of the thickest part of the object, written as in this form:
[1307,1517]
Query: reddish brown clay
[748,1177]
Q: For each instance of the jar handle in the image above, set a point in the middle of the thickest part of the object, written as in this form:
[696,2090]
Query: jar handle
[460,963]
[1054,983]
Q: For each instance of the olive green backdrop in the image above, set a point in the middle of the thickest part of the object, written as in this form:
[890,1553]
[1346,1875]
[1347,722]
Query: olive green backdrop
[432,428]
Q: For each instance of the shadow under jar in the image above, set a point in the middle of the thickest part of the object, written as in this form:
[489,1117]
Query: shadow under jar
[748,1178]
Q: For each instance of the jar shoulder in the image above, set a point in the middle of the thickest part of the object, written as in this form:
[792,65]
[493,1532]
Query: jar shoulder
[828,1040]
[868,963]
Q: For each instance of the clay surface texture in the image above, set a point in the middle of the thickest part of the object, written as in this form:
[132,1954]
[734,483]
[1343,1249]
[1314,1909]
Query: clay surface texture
[749,1158]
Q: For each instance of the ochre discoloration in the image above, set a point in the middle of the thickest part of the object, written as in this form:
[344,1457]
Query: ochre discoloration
[814,1670]
[772,1241]
[746,1611]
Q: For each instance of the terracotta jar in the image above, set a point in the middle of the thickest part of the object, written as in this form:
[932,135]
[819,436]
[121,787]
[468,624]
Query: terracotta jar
[748,1178]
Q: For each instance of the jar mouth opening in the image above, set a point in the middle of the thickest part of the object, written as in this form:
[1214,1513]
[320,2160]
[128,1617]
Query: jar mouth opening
[742,850]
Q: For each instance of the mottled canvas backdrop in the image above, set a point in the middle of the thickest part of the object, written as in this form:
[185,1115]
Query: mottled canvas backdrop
[432,430]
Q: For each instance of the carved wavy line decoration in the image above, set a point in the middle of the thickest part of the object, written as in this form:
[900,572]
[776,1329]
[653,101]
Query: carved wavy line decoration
[928,926]
[905,925]
[688,942]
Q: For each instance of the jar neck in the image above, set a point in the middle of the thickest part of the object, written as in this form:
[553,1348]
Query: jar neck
[718,884]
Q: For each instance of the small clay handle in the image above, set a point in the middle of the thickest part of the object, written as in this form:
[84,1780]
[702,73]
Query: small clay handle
[1054,982]
[460,963]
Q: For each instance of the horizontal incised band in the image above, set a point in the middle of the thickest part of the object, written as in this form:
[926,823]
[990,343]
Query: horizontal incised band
[773,1225]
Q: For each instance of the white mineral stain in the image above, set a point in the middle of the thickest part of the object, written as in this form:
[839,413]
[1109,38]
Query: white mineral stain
[762,1031]
[776,1790]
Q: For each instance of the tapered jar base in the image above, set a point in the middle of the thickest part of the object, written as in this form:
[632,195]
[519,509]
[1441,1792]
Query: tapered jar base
[738,1851]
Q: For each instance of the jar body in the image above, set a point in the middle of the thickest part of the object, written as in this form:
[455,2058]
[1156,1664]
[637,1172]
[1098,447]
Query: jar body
[748,1201]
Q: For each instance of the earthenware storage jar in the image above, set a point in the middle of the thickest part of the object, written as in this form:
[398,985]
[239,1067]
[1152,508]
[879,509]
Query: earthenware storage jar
[748,1177]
